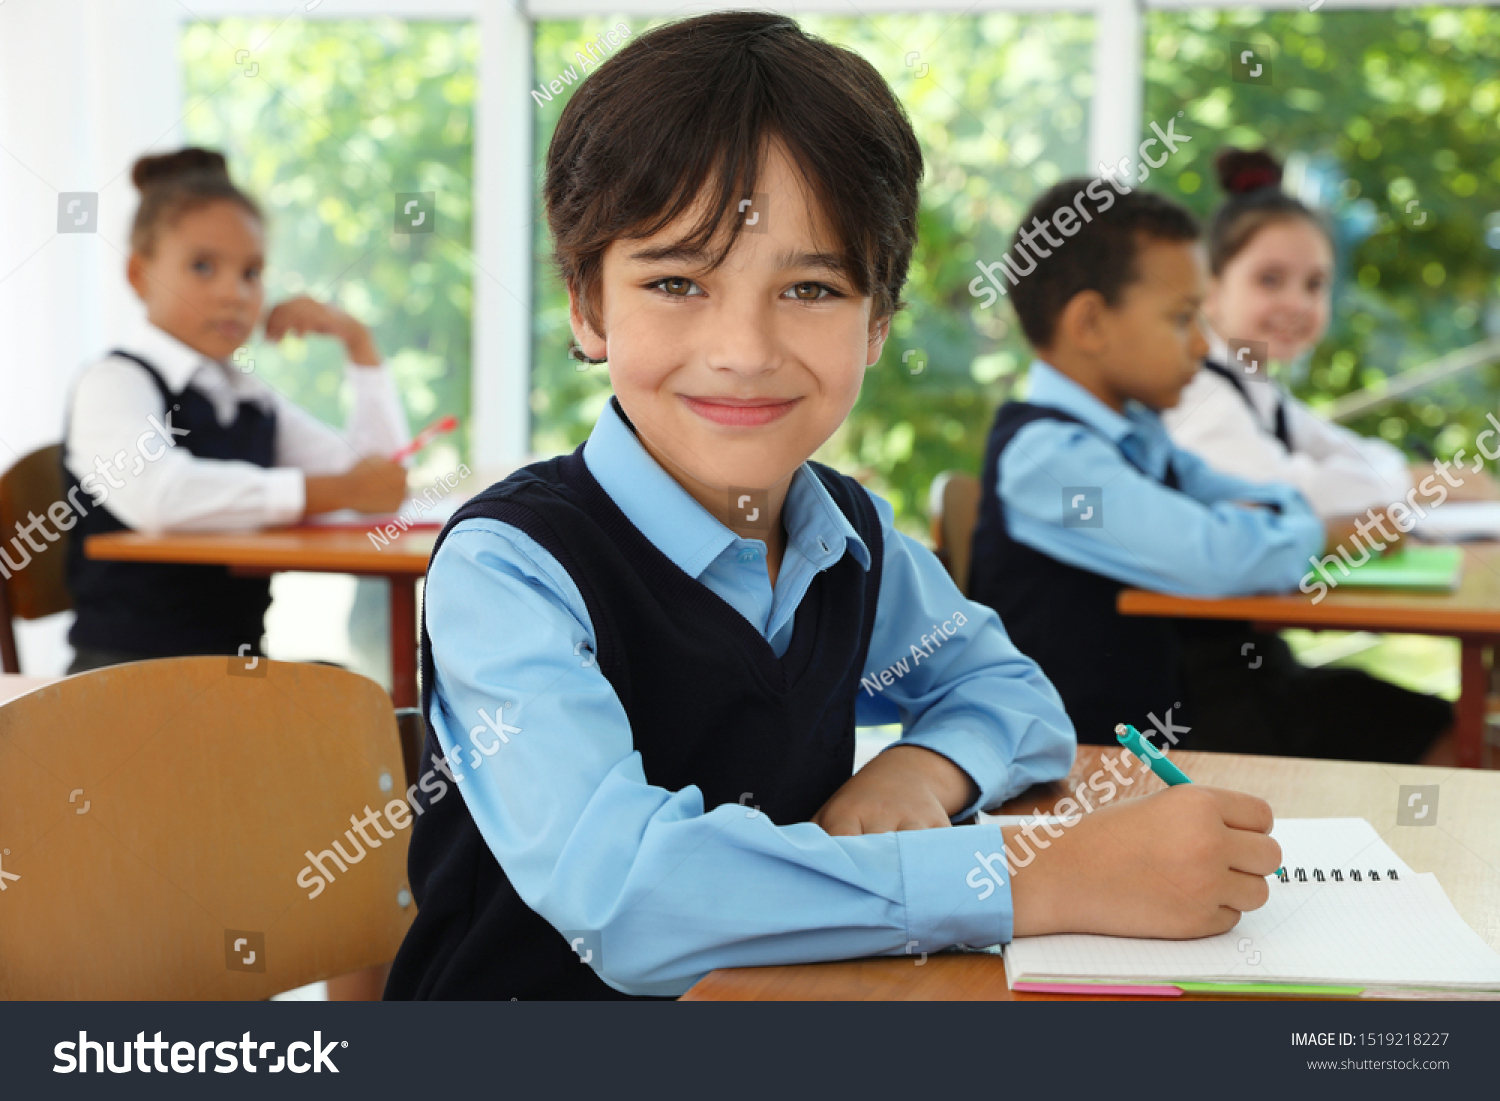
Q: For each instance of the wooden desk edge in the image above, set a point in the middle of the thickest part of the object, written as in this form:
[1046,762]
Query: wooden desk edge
[981,976]
[1285,611]
[394,560]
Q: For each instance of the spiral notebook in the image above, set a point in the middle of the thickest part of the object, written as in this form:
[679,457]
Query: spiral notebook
[1347,918]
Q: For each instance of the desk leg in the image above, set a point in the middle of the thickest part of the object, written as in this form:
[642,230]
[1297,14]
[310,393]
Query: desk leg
[404,641]
[1469,712]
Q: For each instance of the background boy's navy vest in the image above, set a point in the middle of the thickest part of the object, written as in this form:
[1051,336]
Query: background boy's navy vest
[160,609]
[1108,668]
[709,703]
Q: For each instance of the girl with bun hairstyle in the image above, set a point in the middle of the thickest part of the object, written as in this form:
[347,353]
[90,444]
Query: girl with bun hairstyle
[166,434]
[1270,260]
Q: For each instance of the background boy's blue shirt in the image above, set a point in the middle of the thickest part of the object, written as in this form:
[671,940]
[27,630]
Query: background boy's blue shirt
[1194,540]
[672,891]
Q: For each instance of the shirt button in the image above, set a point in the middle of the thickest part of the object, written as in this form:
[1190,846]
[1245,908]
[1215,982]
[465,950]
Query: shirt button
[749,554]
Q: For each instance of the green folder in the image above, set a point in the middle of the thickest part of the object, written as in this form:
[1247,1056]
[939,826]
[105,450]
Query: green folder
[1408,568]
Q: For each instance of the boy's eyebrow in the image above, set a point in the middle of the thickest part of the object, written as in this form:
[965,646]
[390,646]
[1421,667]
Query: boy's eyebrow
[786,258]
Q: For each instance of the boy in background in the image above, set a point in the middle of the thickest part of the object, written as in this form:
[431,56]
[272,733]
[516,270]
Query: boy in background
[1085,494]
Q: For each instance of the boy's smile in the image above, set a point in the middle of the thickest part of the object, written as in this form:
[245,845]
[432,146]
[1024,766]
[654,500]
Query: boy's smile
[740,412]
[734,376]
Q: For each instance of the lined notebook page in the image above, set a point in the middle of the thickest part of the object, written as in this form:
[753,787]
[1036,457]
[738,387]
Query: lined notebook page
[1385,933]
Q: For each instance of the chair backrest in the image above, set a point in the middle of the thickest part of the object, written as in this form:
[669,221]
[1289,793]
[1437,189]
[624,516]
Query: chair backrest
[155,827]
[34,485]
[39,588]
[953,506]
[413,731]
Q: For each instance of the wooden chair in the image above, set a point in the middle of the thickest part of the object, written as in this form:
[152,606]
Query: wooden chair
[953,506]
[40,589]
[158,815]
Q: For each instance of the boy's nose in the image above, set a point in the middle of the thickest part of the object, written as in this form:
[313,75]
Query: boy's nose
[742,341]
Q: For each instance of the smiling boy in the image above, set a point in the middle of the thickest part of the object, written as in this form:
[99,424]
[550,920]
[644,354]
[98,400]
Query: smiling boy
[674,620]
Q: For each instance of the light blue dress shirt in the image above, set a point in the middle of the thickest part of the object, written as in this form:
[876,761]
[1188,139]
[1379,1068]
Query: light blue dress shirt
[1193,540]
[671,891]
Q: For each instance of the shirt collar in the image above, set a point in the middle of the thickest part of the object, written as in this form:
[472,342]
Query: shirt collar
[684,530]
[173,360]
[1218,347]
[1049,386]
[1137,429]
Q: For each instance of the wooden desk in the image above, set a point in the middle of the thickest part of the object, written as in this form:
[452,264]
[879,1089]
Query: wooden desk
[14,684]
[308,550]
[1462,848]
[1471,614]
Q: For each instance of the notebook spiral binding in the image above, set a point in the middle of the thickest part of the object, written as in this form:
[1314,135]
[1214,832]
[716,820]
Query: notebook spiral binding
[1300,875]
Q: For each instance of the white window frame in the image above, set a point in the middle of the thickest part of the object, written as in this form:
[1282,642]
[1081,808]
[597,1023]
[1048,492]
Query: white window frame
[500,378]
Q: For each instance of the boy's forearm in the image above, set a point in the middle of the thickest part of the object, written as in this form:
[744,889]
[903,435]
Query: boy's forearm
[950,784]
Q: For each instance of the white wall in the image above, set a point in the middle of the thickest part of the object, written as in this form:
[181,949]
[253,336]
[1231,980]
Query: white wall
[85,87]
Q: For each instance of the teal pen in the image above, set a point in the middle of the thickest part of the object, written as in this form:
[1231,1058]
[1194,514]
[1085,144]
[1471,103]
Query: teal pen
[1129,737]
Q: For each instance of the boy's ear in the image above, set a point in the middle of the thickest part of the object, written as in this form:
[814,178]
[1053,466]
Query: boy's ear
[590,341]
[1082,323]
[880,331]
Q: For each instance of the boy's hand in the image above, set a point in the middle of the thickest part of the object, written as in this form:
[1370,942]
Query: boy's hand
[302,315]
[1182,863]
[905,788]
[373,485]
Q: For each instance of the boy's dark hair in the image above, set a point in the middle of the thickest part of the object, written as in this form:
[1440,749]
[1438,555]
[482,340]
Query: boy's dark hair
[695,103]
[1099,256]
[1252,183]
[172,184]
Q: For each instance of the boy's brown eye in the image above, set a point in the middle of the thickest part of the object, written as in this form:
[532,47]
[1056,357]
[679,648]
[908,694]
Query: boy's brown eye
[676,285]
[815,289]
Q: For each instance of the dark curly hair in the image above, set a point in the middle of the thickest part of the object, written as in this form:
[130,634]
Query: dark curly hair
[1100,255]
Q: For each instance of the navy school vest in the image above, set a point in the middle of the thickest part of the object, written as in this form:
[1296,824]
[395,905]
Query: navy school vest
[1109,668]
[709,703]
[1280,431]
[164,609]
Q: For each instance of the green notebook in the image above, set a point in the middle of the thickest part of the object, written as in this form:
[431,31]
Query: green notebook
[1407,568]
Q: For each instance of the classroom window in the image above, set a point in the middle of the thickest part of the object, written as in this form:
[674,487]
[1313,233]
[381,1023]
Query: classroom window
[1000,103]
[332,120]
[1387,118]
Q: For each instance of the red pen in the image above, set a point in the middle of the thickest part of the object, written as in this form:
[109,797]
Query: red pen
[426,436]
